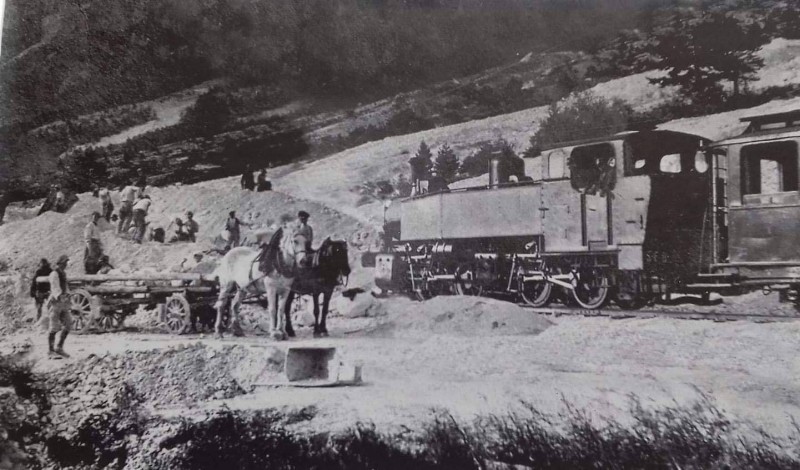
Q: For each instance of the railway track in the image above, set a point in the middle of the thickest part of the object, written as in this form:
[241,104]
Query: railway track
[679,314]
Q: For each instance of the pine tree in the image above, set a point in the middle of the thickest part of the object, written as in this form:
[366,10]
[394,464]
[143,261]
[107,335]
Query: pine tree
[701,51]
[446,163]
[421,163]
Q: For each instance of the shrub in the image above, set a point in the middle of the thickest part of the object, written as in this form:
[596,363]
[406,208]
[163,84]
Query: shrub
[209,114]
[584,117]
[446,163]
[478,163]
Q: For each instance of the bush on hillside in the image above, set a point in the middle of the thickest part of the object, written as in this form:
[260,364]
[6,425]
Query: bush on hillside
[584,117]
[478,163]
[446,163]
[209,114]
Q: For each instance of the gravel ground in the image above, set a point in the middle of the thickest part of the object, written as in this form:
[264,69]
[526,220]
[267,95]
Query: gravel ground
[750,369]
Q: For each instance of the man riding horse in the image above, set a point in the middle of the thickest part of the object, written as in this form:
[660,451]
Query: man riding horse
[329,268]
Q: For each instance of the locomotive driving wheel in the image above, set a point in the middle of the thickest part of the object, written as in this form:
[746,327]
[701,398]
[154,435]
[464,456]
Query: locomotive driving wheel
[465,283]
[590,289]
[535,293]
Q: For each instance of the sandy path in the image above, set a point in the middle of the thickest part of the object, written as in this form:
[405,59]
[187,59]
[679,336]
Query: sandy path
[751,370]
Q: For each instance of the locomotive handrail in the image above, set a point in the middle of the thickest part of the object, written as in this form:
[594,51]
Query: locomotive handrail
[484,187]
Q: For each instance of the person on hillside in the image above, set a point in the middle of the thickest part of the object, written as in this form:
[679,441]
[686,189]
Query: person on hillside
[127,197]
[233,227]
[141,180]
[180,234]
[59,305]
[107,206]
[94,249]
[40,290]
[304,229]
[60,204]
[247,179]
[261,181]
[191,227]
[140,209]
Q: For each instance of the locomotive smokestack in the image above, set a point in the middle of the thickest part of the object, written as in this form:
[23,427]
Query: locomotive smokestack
[494,172]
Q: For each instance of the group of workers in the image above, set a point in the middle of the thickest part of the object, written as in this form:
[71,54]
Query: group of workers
[134,205]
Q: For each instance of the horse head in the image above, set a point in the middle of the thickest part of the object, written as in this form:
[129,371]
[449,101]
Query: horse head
[294,249]
[333,257]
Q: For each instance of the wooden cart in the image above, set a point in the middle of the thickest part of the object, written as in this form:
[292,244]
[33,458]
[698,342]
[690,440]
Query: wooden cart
[108,299]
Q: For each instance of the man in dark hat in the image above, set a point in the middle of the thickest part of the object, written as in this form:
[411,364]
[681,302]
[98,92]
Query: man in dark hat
[40,290]
[304,229]
[59,305]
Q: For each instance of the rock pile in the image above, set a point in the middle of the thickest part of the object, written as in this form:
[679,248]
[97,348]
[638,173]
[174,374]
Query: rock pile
[187,374]
[458,316]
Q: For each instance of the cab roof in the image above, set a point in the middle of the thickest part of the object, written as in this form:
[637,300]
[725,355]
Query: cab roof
[625,135]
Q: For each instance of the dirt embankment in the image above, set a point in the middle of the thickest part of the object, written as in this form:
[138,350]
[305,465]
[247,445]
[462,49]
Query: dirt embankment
[183,375]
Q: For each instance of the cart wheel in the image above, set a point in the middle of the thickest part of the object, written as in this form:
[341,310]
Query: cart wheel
[81,308]
[536,294]
[111,321]
[177,314]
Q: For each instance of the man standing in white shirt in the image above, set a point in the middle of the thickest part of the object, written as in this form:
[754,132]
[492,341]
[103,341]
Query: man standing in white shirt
[59,305]
[127,196]
[94,249]
[140,210]
[108,207]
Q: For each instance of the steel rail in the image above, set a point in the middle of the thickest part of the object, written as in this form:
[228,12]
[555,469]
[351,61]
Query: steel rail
[679,314]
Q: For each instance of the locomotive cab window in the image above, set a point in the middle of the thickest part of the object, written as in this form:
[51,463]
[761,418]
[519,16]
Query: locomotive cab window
[593,168]
[670,163]
[769,168]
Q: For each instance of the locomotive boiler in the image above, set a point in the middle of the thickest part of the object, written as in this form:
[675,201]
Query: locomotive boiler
[627,217]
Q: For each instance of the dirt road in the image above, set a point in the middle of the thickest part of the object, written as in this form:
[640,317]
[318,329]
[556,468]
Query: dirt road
[750,370]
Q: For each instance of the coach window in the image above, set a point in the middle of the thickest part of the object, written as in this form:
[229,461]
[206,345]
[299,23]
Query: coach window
[593,168]
[769,168]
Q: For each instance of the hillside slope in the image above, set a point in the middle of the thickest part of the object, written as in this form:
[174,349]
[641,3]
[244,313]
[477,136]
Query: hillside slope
[335,180]
[53,234]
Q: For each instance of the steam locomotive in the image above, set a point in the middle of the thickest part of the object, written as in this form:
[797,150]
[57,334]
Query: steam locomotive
[629,218]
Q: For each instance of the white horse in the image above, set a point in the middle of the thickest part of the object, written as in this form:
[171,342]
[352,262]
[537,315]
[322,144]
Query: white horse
[271,273]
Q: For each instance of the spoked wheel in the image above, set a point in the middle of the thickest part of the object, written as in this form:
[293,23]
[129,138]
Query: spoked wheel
[176,311]
[536,293]
[591,289]
[81,308]
[111,321]
[465,281]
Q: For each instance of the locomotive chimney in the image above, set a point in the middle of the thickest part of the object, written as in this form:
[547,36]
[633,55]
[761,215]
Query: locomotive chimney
[494,172]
